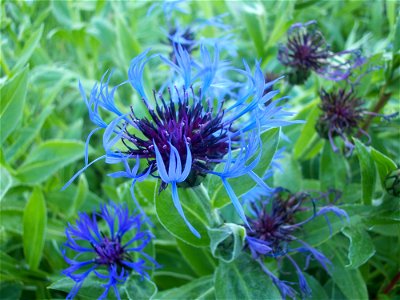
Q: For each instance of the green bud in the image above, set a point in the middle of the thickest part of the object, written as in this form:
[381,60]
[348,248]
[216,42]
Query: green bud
[392,183]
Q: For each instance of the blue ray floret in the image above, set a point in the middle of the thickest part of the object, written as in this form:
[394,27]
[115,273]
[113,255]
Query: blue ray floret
[273,231]
[104,243]
[205,121]
[306,51]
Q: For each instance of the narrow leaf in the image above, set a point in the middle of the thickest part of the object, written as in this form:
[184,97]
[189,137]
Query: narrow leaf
[5,181]
[80,196]
[333,170]
[30,45]
[368,173]
[34,232]
[12,100]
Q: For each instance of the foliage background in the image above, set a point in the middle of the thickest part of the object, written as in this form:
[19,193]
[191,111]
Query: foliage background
[46,47]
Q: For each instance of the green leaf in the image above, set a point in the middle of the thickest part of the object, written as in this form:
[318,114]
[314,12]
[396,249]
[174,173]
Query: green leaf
[361,246]
[136,288]
[199,259]
[318,232]
[26,135]
[383,163]
[80,196]
[34,233]
[349,281]
[48,158]
[243,184]
[227,242]
[243,279]
[10,290]
[396,37]
[254,28]
[196,206]
[307,140]
[91,287]
[291,177]
[30,45]
[5,182]
[62,13]
[15,270]
[201,288]
[12,100]
[318,292]
[368,173]
[333,170]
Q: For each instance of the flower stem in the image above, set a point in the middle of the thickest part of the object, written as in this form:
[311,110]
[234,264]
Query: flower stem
[392,284]
[383,100]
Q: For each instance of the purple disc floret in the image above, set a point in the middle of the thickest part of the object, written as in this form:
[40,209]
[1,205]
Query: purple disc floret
[274,229]
[306,51]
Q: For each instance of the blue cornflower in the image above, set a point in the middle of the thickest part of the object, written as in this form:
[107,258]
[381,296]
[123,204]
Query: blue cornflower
[273,233]
[306,51]
[104,243]
[186,136]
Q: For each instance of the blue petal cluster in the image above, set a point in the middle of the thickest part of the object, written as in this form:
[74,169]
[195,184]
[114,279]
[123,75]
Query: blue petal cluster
[273,233]
[104,243]
[208,120]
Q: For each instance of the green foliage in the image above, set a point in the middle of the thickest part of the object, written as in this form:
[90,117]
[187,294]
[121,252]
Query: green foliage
[12,102]
[243,279]
[34,232]
[368,173]
[196,205]
[48,46]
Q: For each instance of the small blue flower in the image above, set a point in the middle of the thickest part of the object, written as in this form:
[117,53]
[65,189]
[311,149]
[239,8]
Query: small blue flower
[104,243]
[185,137]
[306,50]
[272,233]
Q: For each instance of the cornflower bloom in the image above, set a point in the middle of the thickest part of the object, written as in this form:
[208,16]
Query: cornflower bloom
[185,137]
[273,233]
[342,115]
[104,243]
[306,51]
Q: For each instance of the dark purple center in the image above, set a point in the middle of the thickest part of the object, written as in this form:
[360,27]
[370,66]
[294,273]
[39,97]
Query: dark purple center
[187,121]
[275,227]
[306,51]
[109,251]
[341,112]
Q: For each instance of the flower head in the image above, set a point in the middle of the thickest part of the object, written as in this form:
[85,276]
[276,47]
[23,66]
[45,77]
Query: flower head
[200,121]
[273,228]
[307,51]
[342,116]
[104,243]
